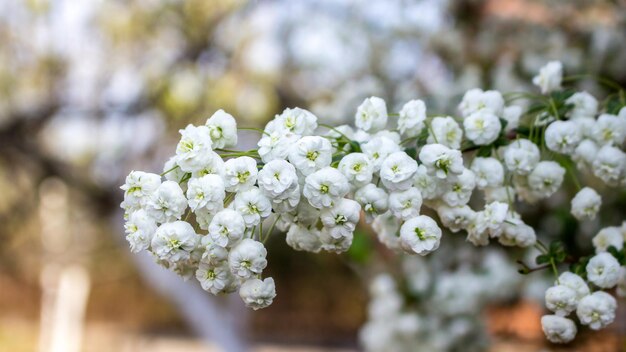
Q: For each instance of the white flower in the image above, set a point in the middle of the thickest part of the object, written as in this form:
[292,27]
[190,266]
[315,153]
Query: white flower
[194,145]
[426,183]
[609,164]
[227,228]
[247,259]
[558,329]
[412,117]
[546,178]
[373,200]
[607,237]
[585,105]
[445,130]
[561,300]
[206,192]
[174,241]
[371,115]
[455,218]
[212,164]
[521,156]
[563,136]
[275,145]
[609,129]
[586,204]
[603,270]
[420,235]
[325,186]
[511,114]
[213,253]
[386,227]
[297,121]
[517,233]
[168,203]
[240,173]
[340,220]
[397,171]
[441,160]
[287,202]
[214,279]
[494,216]
[310,154]
[482,127]
[278,179]
[585,153]
[253,206]
[172,170]
[459,188]
[477,100]
[357,168]
[140,228]
[257,294]
[574,282]
[597,310]
[477,231]
[301,238]
[139,188]
[378,149]
[223,129]
[549,77]
[488,171]
[405,204]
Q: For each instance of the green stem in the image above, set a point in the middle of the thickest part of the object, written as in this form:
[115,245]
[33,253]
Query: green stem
[269,232]
[431,131]
[605,81]
[170,170]
[253,129]
[335,130]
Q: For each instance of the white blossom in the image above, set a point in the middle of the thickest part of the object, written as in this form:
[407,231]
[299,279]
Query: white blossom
[521,156]
[301,238]
[297,121]
[586,204]
[340,220]
[357,168]
[168,203]
[488,171]
[277,179]
[240,173]
[206,192]
[459,188]
[441,160]
[193,147]
[247,259]
[482,127]
[139,188]
[227,228]
[258,294]
[140,227]
[585,105]
[214,279]
[324,187]
[561,300]
[609,164]
[174,241]
[420,235]
[445,130]
[371,115]
[597,310]
[222,129]
[511,114]
[609,129]
[378,149]
[603,270]
[455,218]
[478,100]
[397,171]
[563,136]
[558,329]
[546,178]
[412,117]
[574,282]
[405,204]
[373,200]
[550,77]
[310,154]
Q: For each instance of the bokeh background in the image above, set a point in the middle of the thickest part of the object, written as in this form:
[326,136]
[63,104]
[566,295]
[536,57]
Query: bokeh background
[92,89]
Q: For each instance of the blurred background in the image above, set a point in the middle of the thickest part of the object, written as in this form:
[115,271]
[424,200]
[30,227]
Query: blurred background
[92,89]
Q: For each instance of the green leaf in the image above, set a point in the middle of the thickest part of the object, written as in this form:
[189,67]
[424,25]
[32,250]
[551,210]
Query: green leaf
[361,248]
[542,259]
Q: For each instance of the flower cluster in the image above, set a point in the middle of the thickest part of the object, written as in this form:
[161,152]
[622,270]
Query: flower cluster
[400,171]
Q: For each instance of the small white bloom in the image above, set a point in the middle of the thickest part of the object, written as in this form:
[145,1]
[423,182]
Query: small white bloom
[405,204]
[603,270]
[247,259]
[213,253]
[456,218]
[301,238]
[168,203]
[459,188]
[420,235]
[253,206]
[206,192]
[521,156]
[333,244]
[227,228]
[371,115]
[194,145]
[412,117]
[325,186]
[397,171]
[563,136]
[546,178]
[310,154]
[373,200]
[387,227]
[585,105]
[511,114]
[609,165]
[550,77]
[278,179]
[257,294]
[574,282]
[477,100]
[357,168]
[482,127]
[288,203]
[174,241]
[172,170]
[212,164]
[597,310]
[223,129]
[609,129]
[607,237]
[378,149]
[140,228]
[558,329]
[477,231]
[488,171]
[445,130]
[586,204]
[139,188]
[297,121]
[214,279]
[240,173]
[517,233]
[426,183]
[561,300]
[494,216]
[585,153]
[441,160]
[340,220]
[275,145]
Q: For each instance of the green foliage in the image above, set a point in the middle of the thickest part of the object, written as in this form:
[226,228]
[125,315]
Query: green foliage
[361,248]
